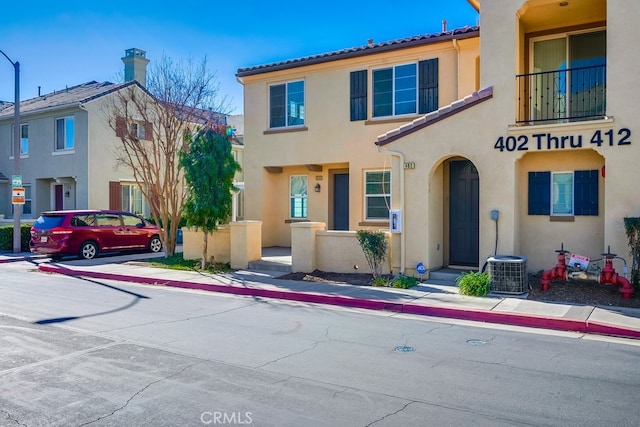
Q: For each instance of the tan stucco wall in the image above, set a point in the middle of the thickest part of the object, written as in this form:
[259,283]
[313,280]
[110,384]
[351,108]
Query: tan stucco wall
[315,248]
[218,244]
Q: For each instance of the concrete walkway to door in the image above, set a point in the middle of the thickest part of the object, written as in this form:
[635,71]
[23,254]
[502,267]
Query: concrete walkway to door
[274,258]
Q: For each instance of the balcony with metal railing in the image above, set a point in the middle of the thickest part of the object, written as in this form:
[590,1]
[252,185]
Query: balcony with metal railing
[561,96]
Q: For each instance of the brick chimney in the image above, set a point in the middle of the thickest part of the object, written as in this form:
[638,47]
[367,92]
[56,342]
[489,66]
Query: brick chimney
[135,65]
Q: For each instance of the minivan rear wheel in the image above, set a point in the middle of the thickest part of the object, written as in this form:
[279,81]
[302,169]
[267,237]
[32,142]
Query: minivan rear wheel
[155,244]
[88,250]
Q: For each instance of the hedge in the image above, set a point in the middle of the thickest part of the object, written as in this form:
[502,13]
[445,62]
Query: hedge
[6,237]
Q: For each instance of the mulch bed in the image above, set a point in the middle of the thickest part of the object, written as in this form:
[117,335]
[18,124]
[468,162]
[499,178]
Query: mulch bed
[571,292]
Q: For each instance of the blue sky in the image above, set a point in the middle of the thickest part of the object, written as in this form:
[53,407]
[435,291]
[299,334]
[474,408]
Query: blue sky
[61,44]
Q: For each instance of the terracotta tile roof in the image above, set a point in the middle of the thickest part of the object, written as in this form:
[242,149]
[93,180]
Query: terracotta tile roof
[435,116]
[369,49]
[67,97]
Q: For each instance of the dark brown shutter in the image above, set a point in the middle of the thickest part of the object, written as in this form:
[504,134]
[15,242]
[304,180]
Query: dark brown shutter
[358,95]
[428,85]
[148,131]
[115,195]
[120,127]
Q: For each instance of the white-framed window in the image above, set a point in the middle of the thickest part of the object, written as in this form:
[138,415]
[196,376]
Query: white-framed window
[138,130]
[377,194]
[562,193]
[569,78]
[24,140]
[65,133]
[286,104]
[132,199]
[298,196]
[395,90]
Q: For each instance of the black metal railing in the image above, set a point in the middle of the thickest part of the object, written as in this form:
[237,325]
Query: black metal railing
[559,96]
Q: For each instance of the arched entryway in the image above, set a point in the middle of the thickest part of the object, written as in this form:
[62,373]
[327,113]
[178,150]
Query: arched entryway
[463,207]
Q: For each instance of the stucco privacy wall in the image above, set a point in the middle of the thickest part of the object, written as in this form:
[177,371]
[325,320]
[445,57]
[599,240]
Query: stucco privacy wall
[218,244]
[236,243]
[329,138]
[315,248]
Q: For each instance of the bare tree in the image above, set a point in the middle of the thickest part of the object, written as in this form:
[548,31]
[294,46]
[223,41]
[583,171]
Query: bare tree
[151,124]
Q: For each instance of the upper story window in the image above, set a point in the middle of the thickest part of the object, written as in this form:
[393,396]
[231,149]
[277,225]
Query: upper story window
[396,91]
[138,131]
[298,196]
[377,194]
[286,104]
[65,133]
[567,79]
[24,140]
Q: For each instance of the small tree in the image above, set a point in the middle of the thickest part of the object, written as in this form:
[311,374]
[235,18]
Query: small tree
[209,168]
[374,244]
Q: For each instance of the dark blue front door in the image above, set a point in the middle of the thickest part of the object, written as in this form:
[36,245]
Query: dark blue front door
[464,201]
[341,201]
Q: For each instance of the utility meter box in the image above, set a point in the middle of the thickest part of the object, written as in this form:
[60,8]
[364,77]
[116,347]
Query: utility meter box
[395,220]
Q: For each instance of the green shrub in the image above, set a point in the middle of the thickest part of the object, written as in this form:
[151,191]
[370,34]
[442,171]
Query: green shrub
[6,237]
[474,284]
[404,282]
[380,281]
[374,244]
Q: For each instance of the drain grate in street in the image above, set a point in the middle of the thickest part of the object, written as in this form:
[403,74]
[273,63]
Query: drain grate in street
[404,349]
[476,342]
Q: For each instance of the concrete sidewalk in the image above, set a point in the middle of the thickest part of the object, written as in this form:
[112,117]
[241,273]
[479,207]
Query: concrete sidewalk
[429,299]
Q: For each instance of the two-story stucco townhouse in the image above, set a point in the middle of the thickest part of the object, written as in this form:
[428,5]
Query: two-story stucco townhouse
[68,149]
[532,144]
[546,154]
[310,124]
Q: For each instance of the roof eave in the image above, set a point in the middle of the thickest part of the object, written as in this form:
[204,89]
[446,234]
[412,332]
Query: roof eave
[357,52]
[436,116]
[475,4]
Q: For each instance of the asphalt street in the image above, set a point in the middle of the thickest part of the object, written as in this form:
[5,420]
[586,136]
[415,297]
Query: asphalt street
[78,352]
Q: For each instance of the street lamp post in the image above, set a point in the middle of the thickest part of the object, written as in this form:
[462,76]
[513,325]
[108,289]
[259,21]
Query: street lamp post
[17,208]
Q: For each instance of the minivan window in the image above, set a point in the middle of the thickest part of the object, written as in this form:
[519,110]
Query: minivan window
[83,220]
[47,222]
[131,220]
[108,220]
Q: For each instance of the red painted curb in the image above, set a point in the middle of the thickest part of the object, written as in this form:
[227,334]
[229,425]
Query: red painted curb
[514,319]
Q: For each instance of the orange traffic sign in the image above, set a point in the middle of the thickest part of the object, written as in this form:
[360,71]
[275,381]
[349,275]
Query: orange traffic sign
[17,195]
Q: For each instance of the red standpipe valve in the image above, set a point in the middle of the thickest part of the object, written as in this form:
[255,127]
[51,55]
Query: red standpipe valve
[557,272]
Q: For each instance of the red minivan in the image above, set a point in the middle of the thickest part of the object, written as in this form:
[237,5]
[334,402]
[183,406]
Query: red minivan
[86,233]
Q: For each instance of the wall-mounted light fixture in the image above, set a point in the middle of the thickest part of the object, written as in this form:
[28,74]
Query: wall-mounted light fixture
[317,188]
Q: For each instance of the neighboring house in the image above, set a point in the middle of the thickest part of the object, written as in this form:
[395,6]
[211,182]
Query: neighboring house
[310,124]
[550,143]
[68,149]
[237,149]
